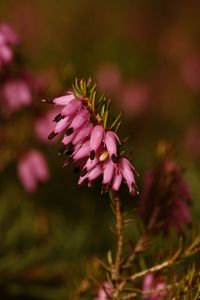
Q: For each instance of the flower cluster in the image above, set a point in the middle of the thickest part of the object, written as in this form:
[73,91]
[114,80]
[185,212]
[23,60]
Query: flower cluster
[92,147]
[166,191]
[8,38]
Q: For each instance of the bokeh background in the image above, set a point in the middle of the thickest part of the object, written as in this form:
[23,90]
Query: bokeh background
[146,56]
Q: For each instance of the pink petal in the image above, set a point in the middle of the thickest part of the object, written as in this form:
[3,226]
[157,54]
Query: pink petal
[95,172]
[127,172]
[111,143]
[62,125]
[72,107]
[96,139]
[108,172]
[117,180]
[67,139]
[82,152]
[64,100]
[80,119]
[82,133]
[90,164]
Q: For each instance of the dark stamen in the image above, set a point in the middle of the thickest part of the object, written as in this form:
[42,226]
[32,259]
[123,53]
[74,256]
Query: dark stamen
[114,158]
[58,118]
[69,131]
[92,155]
[83,172]
[52,135]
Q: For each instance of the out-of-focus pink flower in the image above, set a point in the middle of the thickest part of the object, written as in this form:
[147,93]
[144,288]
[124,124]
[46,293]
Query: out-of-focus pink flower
[153,287]
[7,38]
[32,168]
[165,189]
[190,72]
[44,125]
[108,78]
[134,98]
[6,54]
[192,141]
[105,291]
[16,93]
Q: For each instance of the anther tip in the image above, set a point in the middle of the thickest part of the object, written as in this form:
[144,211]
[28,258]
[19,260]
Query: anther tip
[92,155]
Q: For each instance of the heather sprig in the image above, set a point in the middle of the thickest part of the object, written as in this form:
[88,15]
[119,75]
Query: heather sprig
[90,140]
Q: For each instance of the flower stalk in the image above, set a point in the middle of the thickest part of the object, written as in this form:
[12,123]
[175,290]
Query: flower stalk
[116,268]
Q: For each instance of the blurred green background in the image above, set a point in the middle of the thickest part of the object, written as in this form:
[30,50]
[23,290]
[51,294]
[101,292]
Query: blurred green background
[146,55]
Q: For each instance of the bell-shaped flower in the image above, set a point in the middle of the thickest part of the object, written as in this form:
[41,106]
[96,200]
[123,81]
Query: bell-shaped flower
[127,171]
[89,165]
[111,140]
[117,180]
[108,172]
[79,120]
[82,133]
[83,151]
[64,100]
[96,139]
[71,108]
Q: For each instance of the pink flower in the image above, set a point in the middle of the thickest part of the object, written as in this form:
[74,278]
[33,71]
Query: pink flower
[111,140]
[32,168]
[96,139]
[16,93]
[117,180]
[154,288]
[79,120]
[62,125]
[109,169]
[72,108]
[128,173]
[82,151]
[105,292]
[82,134]
[64,100]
